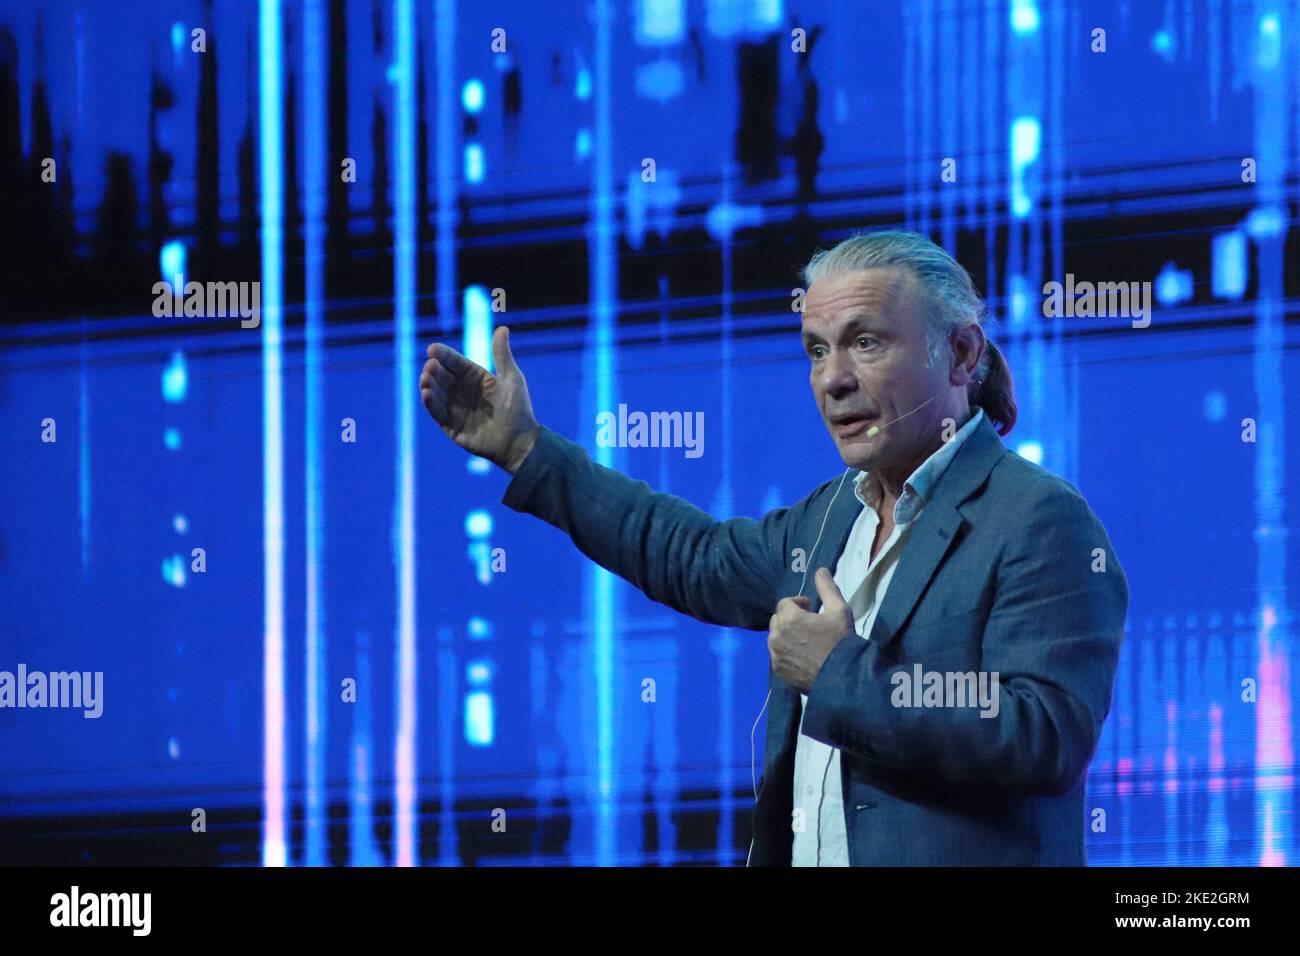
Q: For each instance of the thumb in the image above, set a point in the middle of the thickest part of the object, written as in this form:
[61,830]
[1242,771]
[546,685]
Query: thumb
[502,358]
[832,600]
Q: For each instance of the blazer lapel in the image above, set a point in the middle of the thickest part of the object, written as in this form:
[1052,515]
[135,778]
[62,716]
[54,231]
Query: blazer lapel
[936,530]
[933,535]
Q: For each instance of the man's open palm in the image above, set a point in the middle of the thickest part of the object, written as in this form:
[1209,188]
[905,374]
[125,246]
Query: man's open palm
[487,415]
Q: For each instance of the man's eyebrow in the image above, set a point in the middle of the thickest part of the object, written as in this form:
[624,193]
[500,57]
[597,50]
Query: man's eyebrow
[857,322]
[809,339]
[868,320]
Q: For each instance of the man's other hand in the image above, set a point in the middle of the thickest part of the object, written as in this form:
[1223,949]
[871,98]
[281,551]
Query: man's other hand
[800,640]
[488,415]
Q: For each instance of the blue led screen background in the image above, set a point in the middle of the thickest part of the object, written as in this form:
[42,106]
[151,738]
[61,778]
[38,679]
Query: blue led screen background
[642,181]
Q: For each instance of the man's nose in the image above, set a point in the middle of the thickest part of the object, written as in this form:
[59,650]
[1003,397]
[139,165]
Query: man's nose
[837,376]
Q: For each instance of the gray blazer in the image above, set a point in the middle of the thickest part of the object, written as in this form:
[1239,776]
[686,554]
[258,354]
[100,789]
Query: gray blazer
[1002,573]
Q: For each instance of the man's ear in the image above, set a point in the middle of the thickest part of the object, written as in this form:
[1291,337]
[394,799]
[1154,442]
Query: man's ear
[968,345]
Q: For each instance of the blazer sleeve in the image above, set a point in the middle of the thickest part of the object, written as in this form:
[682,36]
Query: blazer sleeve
[1053,636]
[719,572]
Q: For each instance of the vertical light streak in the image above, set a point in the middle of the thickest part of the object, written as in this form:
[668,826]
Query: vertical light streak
[600,239]
[1216,826]
[271,156]
[950,141]
[446,153]
[361,820]
[924,159]
[83,363]
[725,644]
[991,142]
[448,677]
[1027,73]
[83,448]
[1274,753]
[1174,839]
[447,160]
[405,830]
[315,161]
[913,164]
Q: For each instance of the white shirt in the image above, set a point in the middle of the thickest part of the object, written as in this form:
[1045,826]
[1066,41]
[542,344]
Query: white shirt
[818,791]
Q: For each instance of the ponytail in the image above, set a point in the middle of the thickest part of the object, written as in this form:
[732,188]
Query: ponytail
[996,393]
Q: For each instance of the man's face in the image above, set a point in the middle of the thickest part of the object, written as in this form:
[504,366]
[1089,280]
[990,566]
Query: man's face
[865,336]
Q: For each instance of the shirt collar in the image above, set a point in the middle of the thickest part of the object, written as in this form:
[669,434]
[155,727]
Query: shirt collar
[917,488]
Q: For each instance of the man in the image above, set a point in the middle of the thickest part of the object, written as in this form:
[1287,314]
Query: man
[937,699]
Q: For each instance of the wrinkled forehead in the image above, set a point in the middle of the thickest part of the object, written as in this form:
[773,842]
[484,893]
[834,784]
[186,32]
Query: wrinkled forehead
[891,296]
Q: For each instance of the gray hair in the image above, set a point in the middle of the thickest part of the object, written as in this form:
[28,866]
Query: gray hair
[955,303]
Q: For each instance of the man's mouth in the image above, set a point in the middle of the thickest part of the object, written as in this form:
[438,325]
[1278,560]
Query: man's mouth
[849,424]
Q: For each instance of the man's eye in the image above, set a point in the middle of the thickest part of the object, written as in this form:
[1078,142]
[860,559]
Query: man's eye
[868,340]
[815,352]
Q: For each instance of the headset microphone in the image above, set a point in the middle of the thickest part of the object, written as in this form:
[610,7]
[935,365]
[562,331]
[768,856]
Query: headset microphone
[875,430]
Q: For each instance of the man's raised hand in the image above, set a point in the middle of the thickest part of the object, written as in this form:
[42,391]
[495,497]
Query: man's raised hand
[488,415]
